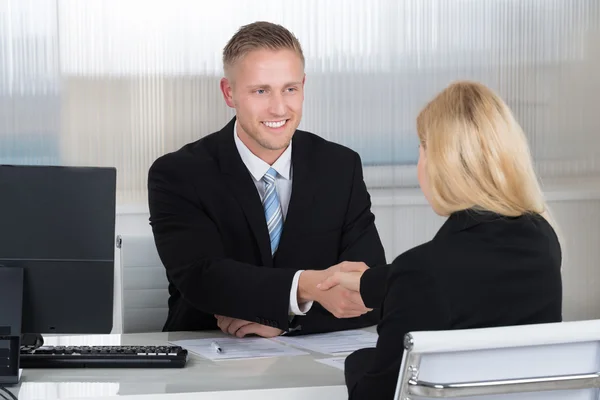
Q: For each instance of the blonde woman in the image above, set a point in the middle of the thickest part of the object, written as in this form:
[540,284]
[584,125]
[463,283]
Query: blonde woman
[496,260]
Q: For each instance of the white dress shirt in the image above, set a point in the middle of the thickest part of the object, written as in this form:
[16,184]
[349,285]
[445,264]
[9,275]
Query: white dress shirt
[283,183]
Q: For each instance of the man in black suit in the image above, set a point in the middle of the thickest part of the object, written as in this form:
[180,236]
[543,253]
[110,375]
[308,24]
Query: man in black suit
[247,220]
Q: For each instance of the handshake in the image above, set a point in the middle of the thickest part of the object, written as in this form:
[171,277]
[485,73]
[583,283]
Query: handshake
[336,288]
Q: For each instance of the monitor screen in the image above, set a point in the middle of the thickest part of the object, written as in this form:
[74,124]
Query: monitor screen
[58,225]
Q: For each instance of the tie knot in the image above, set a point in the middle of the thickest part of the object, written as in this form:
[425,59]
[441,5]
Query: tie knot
[270,175]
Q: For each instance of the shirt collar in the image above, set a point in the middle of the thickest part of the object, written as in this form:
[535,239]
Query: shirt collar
[257,167]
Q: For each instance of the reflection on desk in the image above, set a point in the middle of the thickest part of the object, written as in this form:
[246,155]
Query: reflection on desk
[294,393]
[298,377]
[63,390]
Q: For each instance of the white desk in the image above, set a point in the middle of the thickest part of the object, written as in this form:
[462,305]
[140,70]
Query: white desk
[299,377]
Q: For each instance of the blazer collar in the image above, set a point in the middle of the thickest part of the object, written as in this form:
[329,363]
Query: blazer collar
[241,184]
[305,172]
[229,159]
[465,219]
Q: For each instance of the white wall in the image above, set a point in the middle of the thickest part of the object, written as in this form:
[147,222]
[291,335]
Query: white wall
[404,220]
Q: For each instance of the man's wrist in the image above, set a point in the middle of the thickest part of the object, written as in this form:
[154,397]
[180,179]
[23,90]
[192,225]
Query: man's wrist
[307,284]
[298,307]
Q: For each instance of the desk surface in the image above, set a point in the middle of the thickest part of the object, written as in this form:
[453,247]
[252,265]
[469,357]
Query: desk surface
[298,376]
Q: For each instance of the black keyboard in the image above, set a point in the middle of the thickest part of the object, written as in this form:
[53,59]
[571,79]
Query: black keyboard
[103,357]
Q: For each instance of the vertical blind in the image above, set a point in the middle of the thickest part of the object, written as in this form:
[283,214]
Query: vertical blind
[119,83]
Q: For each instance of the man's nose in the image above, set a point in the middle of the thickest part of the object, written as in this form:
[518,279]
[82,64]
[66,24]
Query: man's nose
[277,105]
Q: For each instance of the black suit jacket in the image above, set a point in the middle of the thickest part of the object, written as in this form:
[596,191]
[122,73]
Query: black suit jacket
[481,270]
[211,235]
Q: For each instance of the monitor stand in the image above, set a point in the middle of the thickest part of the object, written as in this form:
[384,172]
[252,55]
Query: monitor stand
[33,340]
[11,309]
[9,350]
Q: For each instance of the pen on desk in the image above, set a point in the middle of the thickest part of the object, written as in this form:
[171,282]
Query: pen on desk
[216,346]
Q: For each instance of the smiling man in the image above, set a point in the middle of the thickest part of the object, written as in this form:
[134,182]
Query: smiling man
[248,220]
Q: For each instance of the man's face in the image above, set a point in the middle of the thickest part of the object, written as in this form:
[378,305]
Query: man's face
[266,88]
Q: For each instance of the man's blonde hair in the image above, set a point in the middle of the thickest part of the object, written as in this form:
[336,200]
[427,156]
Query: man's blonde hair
[477,154]
[259,35]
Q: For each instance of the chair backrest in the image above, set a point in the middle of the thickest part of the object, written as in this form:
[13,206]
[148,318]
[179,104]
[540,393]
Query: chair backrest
[543,361]
[144,285]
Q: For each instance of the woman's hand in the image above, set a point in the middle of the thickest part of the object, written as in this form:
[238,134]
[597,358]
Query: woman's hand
[347,276]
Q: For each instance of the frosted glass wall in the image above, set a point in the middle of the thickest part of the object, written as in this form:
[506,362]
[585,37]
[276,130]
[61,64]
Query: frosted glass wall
[121,82]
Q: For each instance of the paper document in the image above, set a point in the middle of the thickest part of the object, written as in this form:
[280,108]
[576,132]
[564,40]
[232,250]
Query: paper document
[237,348]
[334,342]
[335,362]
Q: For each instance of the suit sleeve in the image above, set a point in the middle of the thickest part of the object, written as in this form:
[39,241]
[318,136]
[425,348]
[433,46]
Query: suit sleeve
[412,303]
[191,248]
[373,284]
[359,242]
[360,239]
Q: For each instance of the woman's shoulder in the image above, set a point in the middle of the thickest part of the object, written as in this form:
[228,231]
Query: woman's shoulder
[468,243]
[418,257]
[430,251]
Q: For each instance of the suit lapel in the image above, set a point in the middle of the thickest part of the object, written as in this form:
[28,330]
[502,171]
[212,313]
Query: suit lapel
[303,186]
[242,186]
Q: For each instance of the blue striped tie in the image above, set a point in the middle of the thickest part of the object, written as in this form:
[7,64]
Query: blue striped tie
[272,207]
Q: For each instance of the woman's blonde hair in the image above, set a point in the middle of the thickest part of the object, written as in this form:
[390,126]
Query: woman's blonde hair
[477,154]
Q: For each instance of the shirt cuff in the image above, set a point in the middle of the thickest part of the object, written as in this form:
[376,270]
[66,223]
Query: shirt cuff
[295,308]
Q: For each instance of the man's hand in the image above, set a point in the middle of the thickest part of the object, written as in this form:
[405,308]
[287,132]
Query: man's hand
[241,328]
[340,301]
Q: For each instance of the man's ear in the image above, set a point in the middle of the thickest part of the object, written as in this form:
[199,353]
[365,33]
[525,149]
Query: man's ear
[227,90]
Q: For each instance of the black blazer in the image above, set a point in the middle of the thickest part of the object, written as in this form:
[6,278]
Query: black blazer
[211,234]
[480,270]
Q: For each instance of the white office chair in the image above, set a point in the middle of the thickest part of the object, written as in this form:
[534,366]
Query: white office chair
[144,285]
[545,361]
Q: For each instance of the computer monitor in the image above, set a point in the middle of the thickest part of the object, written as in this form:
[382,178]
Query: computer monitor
[57,224]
